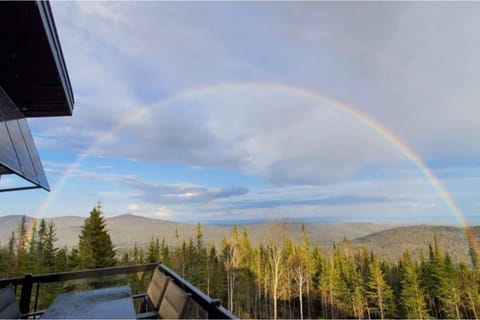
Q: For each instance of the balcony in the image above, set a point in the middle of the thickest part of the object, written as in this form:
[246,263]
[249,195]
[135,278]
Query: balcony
[37,295]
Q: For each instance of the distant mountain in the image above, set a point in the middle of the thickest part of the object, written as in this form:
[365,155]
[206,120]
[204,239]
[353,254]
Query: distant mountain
[127,229]
[390,244]
[387,241]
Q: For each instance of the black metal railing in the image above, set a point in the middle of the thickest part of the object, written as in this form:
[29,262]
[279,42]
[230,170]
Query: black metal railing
[27,282]
[212,306]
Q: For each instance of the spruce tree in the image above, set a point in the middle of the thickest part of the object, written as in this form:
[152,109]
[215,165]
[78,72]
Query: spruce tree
[49,250]
[22,235]
[411,294]
[153,251]
[95,246]
[199,276]
[435,281]
[61,260]
[22,259]
[41,236]
[11,244]
[452,289]
[470,292]
[33,239]
[10,262]
[74,259]
[164,252]
[378,291]
[329,286]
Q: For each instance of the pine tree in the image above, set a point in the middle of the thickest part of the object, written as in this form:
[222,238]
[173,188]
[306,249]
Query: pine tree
[61,260]
[469,290]
[246,285]
[4,262]
[307,252]
[351,282]
[22,235]
[41,236]
[135,255]
[10,264]
[49,250]
[74,259]
[317,277]
[378,291]
[200,275]
[95,246]
[33,239]
[153,251]
[434,281]
[11,244]
[411,294]
[452,295]
[164,252]
[329,286]
[22,258]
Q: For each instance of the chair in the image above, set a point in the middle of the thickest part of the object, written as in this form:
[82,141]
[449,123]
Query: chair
[157,287]
[174,302]
[153,297]
[9,307]
[8,304]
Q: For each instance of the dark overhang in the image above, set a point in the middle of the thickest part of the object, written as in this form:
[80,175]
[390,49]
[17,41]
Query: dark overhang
[34,82]
[33,71]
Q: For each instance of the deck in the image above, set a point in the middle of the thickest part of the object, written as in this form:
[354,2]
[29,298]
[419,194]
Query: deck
[116,294]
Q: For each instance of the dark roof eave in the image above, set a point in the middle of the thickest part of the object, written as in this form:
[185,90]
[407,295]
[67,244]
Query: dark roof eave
[34,72]
[53,39]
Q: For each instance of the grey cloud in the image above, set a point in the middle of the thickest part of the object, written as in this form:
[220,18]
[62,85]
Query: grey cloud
[184,194]
[410,70]
[162,194]
[341,200]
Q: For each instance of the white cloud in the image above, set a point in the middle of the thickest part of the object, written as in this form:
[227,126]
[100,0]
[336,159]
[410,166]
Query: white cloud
[163,212]
[133,207]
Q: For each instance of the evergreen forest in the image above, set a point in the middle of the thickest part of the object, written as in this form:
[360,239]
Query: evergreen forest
[279,279]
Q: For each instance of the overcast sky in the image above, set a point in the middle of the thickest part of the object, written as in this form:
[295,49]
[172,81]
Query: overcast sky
[212,111]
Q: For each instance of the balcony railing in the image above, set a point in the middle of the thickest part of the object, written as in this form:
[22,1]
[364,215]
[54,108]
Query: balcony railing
[31,284]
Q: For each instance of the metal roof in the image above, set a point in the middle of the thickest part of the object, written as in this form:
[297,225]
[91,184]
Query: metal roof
[18,154]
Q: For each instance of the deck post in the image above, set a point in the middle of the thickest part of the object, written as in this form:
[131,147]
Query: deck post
[212,310]
[26,294]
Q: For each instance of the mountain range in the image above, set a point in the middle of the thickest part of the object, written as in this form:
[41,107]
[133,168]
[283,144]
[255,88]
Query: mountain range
[388,241]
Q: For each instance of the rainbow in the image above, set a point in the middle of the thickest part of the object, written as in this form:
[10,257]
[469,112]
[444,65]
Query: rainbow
[314,96]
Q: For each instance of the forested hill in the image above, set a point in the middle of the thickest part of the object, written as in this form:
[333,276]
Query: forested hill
[125,230]
[295,276]
[387,241]
[389,244]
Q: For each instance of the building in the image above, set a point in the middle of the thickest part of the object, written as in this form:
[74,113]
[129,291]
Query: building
[34,82]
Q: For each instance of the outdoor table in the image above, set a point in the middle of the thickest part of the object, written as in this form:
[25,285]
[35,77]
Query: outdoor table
[106,303]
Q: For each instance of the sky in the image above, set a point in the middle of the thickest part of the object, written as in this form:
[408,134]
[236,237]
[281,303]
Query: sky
[249,111]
